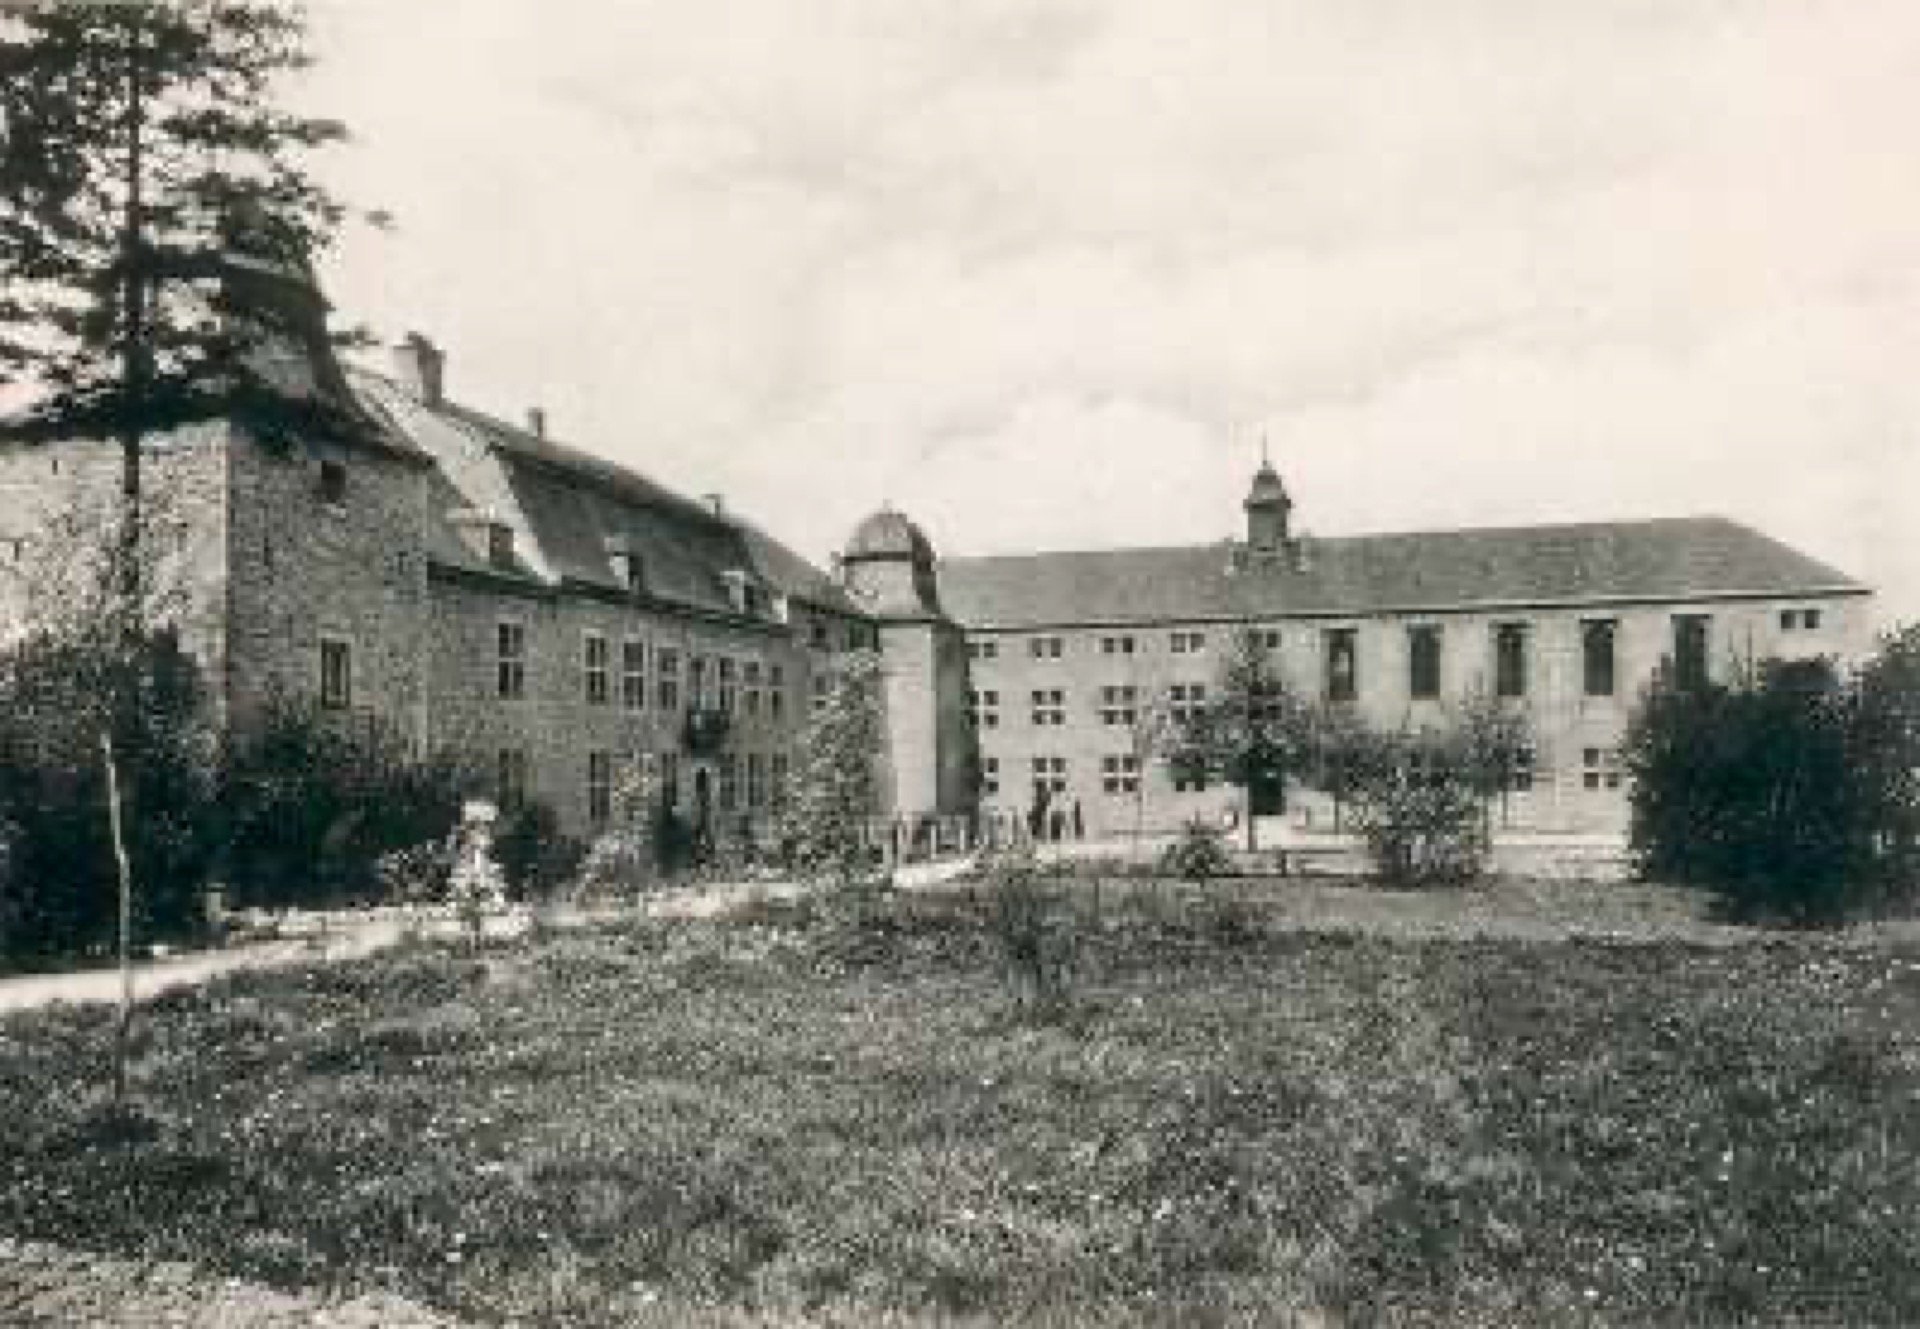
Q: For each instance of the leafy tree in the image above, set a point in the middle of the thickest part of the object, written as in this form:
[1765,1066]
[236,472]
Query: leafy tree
[1491,741]
[834,791]
[1777,789]
[1420,806]
[150,187]
[1253,732]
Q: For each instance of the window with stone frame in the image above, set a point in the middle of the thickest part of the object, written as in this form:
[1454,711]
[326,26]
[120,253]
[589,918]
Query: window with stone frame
[594,662]
[1599,642]
[1600,768]
[1046,648]
[776,692]
[1522,770]
[633,674]
[979,648]
[1120,774]
[599,788]
[1186,702]
[728,765]
[1049,775]
[1799,620]
[1119,704]
[500,546]
[333,483]
[983,708]
[1342,647]
[336,673]
[1511,662]
[1267,639]
[510,779]
[1121,644]
[670,779]
[817,635]
[989,777]
[1423,662]
[1187,643]
[510,661]
[698,682]
[777,781]
[756,780]
[1049,706]
[1690,637]
[666,678]
[750,688]
[729,690]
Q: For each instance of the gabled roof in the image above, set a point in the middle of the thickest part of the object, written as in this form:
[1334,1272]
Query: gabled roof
[568,507]
[1602,562]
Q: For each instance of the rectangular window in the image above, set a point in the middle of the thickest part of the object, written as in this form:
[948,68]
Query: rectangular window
[697,695]
[1510,659]
[989,776]
[1187,643]
[1600,768]
[1049,775]
[666,685]
[776,693]
[777,789]
[1423,662]
[500,546]
[729,765]
[1343,664]
[599,787]
[1599,638]
[1120,645]
[633,675]
[983,650]
[1189,777]
[1794,620]
[510,779]
[670,779]
[729,692]
[511,661]
[631,571]
[1119,705]
[333,483]
[819,636]
[822,689]
[594,668]
[1049,707]
[750,688]
[1186,701]
[983,708]
[1690,650]
[1045,648]
[336,674]
[756,780]
[1120,774]
[1521,770]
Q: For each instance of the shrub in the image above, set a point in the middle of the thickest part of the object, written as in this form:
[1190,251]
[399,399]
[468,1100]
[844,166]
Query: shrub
[1773,791]
[58,697]
[1034,932]
[1199,855]
[313,804]
[1422,829]
[537,856]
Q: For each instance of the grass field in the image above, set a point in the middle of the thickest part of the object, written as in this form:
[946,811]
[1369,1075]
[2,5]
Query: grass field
[728,1123]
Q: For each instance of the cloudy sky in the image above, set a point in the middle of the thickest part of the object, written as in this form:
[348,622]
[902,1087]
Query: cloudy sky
[1043,272]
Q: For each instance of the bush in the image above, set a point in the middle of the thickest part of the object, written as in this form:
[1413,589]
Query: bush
[314,804]
[1199,855]
[1034,931]
[1775,792]
[58,698]
[537,856]
[1424,829]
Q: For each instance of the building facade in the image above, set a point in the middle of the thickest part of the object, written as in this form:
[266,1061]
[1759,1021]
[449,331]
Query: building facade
[472,585]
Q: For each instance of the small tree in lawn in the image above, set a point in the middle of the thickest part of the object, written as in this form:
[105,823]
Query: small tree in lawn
[1252,732]
[834,791]
[1153,735]
[1491,741]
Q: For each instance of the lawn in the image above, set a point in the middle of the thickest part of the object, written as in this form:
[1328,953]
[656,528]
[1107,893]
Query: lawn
[676,1122]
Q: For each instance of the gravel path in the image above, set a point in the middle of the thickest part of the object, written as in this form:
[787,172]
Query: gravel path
[44,1286]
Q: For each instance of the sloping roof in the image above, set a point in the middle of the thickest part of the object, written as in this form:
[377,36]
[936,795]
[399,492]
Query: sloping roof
[567,506]
[1662,559]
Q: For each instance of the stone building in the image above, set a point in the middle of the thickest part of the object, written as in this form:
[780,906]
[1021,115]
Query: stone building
[1564,624]
[472,584]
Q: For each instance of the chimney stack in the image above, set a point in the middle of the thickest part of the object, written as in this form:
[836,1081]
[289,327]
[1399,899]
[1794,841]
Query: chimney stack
[421,368]
[716,504]
[537,422]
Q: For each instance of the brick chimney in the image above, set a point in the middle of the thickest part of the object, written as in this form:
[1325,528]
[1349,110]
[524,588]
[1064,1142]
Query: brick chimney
[537,422]
[421,368]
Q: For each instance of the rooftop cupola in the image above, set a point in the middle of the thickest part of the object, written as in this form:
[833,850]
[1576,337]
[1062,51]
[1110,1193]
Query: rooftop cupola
[1269,511]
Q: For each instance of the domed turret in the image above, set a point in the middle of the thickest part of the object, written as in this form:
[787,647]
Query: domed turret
[1268,511]
[888,565]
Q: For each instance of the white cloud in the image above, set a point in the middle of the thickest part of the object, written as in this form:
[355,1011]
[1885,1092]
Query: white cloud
[1040,273]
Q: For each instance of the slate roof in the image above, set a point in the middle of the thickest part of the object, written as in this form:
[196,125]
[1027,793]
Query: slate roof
[566,505]
[1604,562]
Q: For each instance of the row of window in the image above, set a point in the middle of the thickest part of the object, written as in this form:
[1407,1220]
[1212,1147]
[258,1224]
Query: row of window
[1049,646]
[745,781]
[1119,705]
[650,672]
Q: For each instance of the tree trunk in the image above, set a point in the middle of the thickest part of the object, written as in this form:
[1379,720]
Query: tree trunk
[133,345]
[123,1026]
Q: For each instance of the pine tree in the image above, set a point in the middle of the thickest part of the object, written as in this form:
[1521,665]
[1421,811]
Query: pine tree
[150,192]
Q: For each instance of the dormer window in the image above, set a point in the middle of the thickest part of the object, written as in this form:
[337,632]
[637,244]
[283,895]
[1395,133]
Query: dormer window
[500,545]
[631,571]
[333,483]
